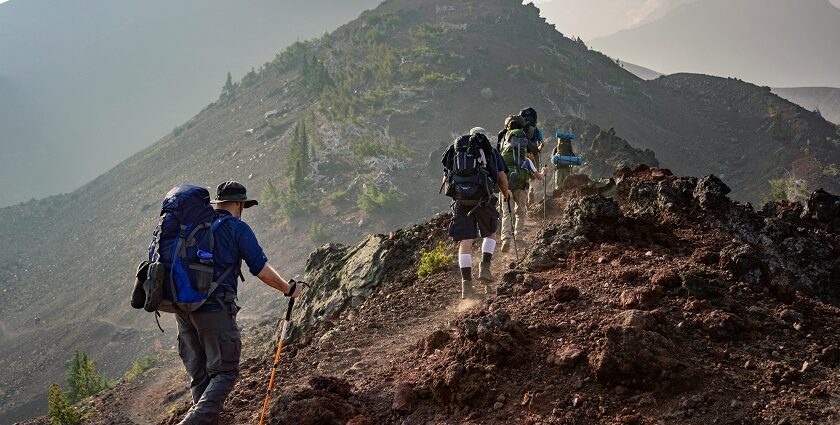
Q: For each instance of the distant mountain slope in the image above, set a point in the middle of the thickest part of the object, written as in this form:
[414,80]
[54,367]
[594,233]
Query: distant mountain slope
[824,99]
[598,18]
[379,96]
[101,79]
[641,72]
[780,43]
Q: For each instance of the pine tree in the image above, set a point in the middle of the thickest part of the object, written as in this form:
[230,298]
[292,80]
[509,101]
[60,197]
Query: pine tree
[60,411]
[270,195]
[228,89]
[297,198]
[83,379]
[74,378]
[299,161]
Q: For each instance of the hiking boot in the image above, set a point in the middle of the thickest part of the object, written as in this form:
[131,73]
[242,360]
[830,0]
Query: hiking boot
[505,246]
[484,273]
[467,290]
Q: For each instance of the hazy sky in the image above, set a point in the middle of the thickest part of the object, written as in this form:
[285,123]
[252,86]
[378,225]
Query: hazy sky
[589,19]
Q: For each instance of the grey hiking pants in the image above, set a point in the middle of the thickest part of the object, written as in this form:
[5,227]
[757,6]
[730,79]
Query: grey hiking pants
[560,174]
[520,209]
[209,345]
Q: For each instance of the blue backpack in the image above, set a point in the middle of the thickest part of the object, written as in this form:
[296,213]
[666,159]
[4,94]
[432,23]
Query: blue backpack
[178,276]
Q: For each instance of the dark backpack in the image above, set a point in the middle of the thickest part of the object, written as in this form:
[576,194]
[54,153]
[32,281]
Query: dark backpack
[178,276]
[467,177]
[514,152]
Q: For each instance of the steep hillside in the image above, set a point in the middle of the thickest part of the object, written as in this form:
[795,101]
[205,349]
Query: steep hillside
[824,99]
[120,74]
[377,97]
[782,43]
[670,303]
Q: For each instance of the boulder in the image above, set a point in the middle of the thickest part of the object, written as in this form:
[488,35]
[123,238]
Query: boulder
[745,263]
[824,208]
[710,192]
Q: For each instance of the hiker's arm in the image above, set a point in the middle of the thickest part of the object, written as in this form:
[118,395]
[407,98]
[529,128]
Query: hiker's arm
[502,181]
[270,277]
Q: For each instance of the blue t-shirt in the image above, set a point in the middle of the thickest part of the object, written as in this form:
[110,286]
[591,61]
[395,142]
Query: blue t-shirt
[235,242]
[539,135]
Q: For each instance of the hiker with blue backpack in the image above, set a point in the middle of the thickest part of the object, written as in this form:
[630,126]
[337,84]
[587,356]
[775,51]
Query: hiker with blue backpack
[193,271]
[473,173]
[563,158]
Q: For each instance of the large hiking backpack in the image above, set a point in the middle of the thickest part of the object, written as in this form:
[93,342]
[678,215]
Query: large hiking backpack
[467,178]
[178,276]
[514,151]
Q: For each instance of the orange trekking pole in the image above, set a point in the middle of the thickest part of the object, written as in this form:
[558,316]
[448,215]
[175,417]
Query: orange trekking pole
[277,358]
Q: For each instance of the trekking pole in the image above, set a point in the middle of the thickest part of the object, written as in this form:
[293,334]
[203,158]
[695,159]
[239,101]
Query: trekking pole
[545,196]
[510,220]
[277,358]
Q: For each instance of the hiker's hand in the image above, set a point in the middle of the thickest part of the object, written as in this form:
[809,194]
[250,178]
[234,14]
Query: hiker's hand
[295,288]
[508,194]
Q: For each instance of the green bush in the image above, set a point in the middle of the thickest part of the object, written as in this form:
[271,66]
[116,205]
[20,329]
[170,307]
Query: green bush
[369,146]
[434,261]
[788,189]
[141,365]
[318,233]
[373,200]
[336,197]
[436,78]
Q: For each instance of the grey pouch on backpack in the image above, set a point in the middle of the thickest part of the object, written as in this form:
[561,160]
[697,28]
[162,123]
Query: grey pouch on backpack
[153,286]
[138,294]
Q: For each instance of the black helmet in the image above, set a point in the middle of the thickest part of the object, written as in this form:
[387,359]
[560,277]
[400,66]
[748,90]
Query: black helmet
[529,114]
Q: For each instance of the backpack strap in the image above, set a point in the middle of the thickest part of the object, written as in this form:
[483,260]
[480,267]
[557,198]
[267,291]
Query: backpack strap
[234,268]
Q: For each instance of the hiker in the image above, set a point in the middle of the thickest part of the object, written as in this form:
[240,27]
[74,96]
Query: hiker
[473,170]
[535,135]
[208,338]
[563,148]
[515,146]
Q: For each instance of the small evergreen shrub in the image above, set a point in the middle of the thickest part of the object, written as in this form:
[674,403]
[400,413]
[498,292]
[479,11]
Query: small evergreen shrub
[434,261]
[59,410]
[372,200]
[140,366]
[318,233]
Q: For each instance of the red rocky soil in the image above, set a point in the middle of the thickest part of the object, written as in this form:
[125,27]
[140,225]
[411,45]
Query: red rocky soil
[670,304]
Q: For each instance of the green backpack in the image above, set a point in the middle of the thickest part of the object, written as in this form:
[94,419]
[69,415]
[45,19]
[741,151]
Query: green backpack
[514,151]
